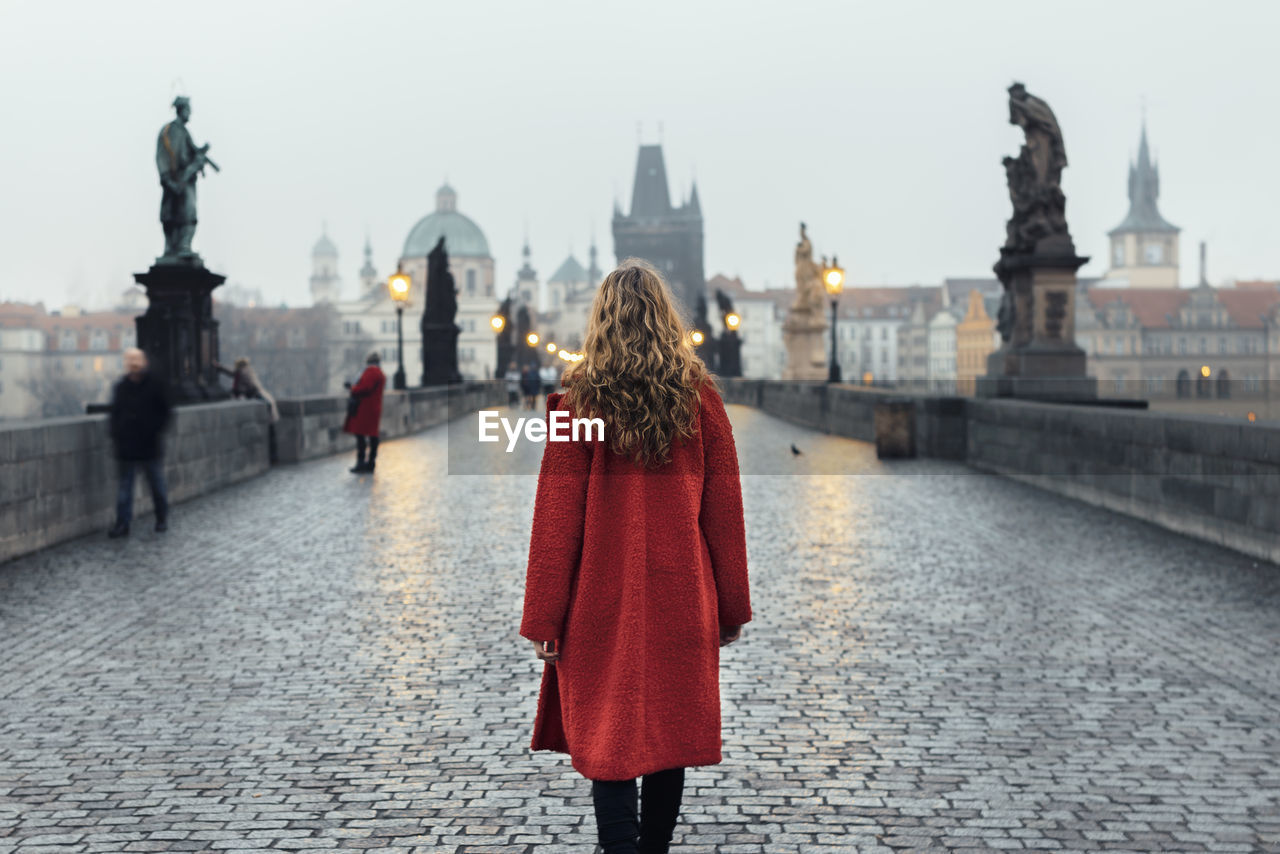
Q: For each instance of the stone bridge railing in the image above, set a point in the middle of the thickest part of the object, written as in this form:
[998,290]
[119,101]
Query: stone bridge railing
[58,478]
[1216,479]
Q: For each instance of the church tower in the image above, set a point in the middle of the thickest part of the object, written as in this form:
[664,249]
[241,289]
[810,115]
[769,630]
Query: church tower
[594,275]
[368,274]
[668,237]
[1144,247]
[326,286]
[526,291]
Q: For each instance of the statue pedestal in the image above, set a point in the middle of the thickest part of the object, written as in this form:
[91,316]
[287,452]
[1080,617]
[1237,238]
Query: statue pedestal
[803,335]
[440,354]
[1040,360]
[178,332]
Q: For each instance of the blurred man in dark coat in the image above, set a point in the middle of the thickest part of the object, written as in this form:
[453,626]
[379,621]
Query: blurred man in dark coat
[140,411]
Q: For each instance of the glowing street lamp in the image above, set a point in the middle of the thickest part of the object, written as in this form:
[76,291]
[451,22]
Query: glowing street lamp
[833,281]
[532,339]
[498,323]
[551,348]
[398,285]
[696,337]
[732,321]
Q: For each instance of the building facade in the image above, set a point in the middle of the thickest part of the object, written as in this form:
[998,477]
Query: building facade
[1201,349]
[54,363]
[976,339]
[368,322]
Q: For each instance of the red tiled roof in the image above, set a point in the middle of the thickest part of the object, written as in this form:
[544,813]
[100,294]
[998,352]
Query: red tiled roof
[1155,307]
[1247,307]
[20,314]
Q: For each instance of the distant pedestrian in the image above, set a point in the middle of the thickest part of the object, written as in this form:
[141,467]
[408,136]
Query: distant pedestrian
[512,377]
[140,411]
[245,385]
[530,384]
[364,413]
[550,378]
[637,574]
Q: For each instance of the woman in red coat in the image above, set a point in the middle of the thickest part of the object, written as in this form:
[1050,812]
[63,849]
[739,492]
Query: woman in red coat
[364,412]
[637,569]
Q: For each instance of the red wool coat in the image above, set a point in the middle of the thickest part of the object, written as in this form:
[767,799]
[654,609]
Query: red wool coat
[369,390]
[634,573]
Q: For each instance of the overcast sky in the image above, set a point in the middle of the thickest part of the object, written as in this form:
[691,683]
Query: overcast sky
[880,124]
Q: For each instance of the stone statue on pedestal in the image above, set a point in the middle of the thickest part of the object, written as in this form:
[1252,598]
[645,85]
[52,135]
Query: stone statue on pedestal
[178,332]
[802,332]
[1038,357]
[439,331]
[179,161]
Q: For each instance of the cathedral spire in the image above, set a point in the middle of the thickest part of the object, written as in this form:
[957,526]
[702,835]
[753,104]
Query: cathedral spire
[694,205]
[368,275]
[1144,191]
[594,275]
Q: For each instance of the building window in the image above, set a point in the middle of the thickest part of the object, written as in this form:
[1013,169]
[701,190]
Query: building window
[1117,254]
[471,283]
[1154,253]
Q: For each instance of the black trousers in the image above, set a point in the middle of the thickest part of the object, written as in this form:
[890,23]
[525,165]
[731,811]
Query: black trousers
[361,443]
[620,829]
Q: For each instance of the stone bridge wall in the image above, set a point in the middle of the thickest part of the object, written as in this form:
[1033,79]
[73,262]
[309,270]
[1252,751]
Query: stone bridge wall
[1213,478]
[58,477]
[312,426]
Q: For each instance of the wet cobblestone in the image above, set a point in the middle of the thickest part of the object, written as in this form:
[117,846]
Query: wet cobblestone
[940,659]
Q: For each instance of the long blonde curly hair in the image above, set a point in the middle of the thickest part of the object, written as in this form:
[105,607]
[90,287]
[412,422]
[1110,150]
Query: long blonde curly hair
[639,371]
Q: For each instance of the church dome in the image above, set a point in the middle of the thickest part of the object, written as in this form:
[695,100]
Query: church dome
[324,246]
[462,237]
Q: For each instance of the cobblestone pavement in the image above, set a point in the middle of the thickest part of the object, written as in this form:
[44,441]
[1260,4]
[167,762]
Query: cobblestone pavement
[940,659]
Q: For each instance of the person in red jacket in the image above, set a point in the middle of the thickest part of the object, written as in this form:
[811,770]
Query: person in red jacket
[637,571]
[364,412]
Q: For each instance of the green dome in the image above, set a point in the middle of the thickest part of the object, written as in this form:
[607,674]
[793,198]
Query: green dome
[461,236]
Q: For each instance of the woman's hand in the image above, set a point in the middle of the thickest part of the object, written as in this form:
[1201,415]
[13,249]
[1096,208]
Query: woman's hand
[729,635]
[547,650]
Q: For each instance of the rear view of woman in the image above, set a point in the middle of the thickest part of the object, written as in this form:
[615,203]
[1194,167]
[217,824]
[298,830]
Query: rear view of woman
[637,565]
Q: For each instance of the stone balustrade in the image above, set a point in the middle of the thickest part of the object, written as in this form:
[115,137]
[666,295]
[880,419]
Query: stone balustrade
[1212,478]
[58,476]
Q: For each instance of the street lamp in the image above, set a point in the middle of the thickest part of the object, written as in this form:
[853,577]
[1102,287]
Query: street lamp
[551,348]
[498,322]
[696,337]
[833,281]
[398,285]
[532,338]
[732,321]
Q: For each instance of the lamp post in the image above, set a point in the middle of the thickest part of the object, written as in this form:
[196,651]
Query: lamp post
[730,346]
[498,323]
[833,281]
[398,285]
